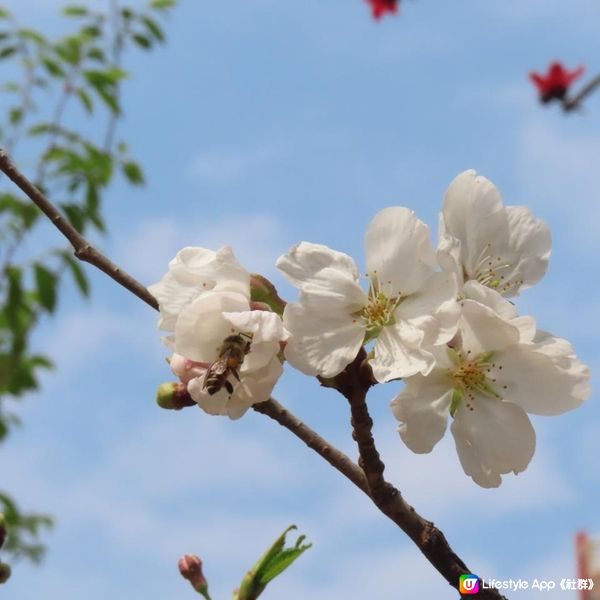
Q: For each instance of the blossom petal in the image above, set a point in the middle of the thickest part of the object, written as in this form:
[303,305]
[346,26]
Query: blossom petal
[422,409]
[318,269]
[265,326]
[492,438]
[321,343]
[192,272]
[529,243]
[473,213]
[545,378]
[400,257]
[201,326]
[433,308]
[398,353]
[482,330]
[254,388]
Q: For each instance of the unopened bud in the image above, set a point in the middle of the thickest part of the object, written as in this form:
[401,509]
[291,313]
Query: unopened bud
[3,531]
[5,572]
[173,396]
[190,567]
[263,291]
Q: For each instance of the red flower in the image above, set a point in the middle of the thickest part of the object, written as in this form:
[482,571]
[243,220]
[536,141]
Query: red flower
[380,7]
[555,84]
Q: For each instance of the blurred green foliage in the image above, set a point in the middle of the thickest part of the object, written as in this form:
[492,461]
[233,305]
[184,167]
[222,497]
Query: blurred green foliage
[52,84]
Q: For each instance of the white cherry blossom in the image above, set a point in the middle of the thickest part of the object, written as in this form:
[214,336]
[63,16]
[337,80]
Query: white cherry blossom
[503,248]
[192,272]
[204,300]
[408,308]
[496,372]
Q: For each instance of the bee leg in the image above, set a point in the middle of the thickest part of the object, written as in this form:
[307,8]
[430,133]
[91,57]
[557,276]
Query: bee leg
[235,374]
[228,387]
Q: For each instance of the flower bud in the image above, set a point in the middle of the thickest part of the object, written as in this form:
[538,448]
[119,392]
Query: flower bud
[173,396]
[4,573]
[190,567]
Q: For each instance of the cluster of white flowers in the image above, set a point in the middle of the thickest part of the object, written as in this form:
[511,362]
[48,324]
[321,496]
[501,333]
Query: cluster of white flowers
[225,352]
[440,321]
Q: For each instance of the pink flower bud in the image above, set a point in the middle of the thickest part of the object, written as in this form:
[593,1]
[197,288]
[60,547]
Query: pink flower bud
[190,567]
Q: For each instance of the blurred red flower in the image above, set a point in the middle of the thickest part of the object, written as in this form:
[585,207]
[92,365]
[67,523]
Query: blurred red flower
[380,7]
[555,84]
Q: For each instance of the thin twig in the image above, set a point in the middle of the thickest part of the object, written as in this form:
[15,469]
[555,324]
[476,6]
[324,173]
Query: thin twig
[353,383]
[570,104]
[83,249]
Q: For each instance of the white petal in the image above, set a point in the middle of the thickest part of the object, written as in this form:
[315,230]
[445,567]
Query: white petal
[261,353]
[265,326]
[319,269]
[529,243]
[399,253]
[321,343]
[493,438]
[422,408]
[201,328]
[398,353]
[473,213]
[192,272]
[542,380]
[482,330]
[215,404]
[433,309]
[254,388]
[473,290]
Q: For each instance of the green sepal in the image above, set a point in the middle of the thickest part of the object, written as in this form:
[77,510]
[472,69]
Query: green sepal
[262,290]
[457,397]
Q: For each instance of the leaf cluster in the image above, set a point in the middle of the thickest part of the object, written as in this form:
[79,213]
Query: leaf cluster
[57,89]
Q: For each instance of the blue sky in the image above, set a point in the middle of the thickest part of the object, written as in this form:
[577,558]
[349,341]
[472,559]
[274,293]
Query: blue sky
[260,124]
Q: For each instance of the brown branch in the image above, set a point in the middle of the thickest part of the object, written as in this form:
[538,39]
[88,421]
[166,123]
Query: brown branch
[570,104]
[353,382]
[83,249]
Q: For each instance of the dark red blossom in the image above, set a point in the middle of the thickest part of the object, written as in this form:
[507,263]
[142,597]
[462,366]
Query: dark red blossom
[555,84]
[380,7]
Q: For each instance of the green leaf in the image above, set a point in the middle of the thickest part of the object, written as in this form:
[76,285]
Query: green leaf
[75,216]
[162,4]
[46,283]
[8,51]
[4,14]
[81,281]
[133,172]
[15,115]
[271,564]
[75,11]
[86,100]
[142,41]
[53,67]
[32,35]
[153,28]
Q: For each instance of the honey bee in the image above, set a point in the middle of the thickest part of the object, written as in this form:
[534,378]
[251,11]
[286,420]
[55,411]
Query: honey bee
[231,357]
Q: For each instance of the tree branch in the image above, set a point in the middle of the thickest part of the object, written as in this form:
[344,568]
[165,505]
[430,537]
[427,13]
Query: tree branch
[353,382]
[570,104]
[83,249]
